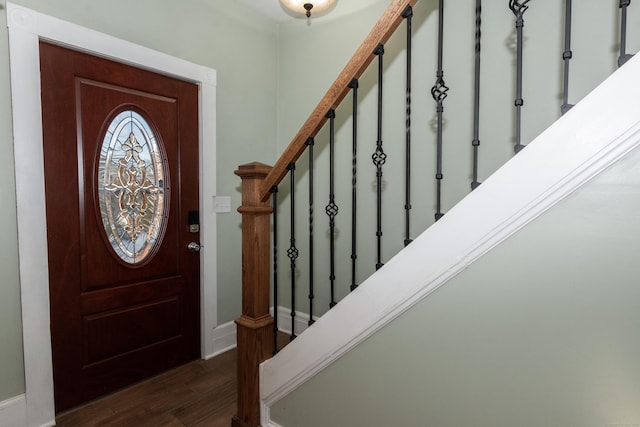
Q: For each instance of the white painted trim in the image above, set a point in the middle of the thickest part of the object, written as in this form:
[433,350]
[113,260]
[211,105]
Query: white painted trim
[225,336]
[13,412]
[224,339]
[272,424]
[265,410]
[26,28]
[594,134]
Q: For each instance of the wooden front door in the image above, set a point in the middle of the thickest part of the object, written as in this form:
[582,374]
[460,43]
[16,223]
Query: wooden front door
[121,180]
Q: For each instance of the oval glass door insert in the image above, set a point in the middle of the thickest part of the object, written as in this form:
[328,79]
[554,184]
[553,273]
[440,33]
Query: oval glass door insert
[132,187]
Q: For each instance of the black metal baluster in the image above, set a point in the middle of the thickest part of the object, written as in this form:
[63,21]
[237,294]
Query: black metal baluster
[439,93]
[310,143]
[519,8]
[332,208]
[379,157]
[292,252]
[354,180]
[566,57]
[408,15]
[274,192]
[475,143]
[624,57]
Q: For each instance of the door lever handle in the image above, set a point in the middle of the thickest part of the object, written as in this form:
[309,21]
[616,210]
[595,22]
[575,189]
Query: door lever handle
[194,247]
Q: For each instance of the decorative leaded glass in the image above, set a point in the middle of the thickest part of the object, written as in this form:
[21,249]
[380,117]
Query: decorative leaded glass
[132,187]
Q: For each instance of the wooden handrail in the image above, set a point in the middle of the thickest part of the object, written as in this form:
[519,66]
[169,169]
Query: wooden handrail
[380,33]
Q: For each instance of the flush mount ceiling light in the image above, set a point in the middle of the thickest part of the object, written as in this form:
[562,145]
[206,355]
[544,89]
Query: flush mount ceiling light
[301,8]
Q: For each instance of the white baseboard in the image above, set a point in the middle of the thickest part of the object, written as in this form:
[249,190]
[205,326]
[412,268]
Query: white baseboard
[13,412]
[224,336]
[300,323]
[224,339]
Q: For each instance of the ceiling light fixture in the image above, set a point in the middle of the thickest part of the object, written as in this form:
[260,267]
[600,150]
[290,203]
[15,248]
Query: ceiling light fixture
[305,7]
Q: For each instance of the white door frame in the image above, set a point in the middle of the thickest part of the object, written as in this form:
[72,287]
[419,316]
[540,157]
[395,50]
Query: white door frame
[26,28]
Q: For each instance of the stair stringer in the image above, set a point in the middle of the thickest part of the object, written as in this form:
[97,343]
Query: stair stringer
[593,135]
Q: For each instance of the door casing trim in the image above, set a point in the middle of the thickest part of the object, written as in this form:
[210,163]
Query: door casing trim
[26,28]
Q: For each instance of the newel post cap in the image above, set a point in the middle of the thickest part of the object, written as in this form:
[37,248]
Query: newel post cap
[253,170]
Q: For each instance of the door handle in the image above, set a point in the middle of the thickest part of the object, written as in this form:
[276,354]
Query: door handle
[193,247]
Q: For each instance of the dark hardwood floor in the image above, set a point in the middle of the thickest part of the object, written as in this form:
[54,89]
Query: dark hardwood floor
[202,393]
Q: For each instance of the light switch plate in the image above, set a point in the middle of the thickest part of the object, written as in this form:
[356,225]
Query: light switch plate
[222,204]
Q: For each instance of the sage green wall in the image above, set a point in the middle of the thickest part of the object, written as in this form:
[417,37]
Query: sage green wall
[310,58]
[311,54]
[219,34]
[541,331]
[11,357]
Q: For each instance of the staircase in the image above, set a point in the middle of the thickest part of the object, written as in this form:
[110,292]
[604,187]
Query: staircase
[585,141]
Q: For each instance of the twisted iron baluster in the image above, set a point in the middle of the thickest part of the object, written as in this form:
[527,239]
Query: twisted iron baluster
[274,192]
[292,252]
[475,143]
[408,15]
[379,158]
[310,143]
[332,209]
[624,57]
[518,8]
[354,180]
[566,56]
[439,93]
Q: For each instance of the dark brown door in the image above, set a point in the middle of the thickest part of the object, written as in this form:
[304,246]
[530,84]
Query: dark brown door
[121,179]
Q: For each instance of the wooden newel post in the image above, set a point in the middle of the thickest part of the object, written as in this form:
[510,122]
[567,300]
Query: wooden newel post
[255,325]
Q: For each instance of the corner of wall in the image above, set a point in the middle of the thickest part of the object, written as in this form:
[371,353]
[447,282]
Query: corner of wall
[223,339]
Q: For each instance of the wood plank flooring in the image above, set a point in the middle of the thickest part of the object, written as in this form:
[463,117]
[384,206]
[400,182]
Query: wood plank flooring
[202,393]
[198,394]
